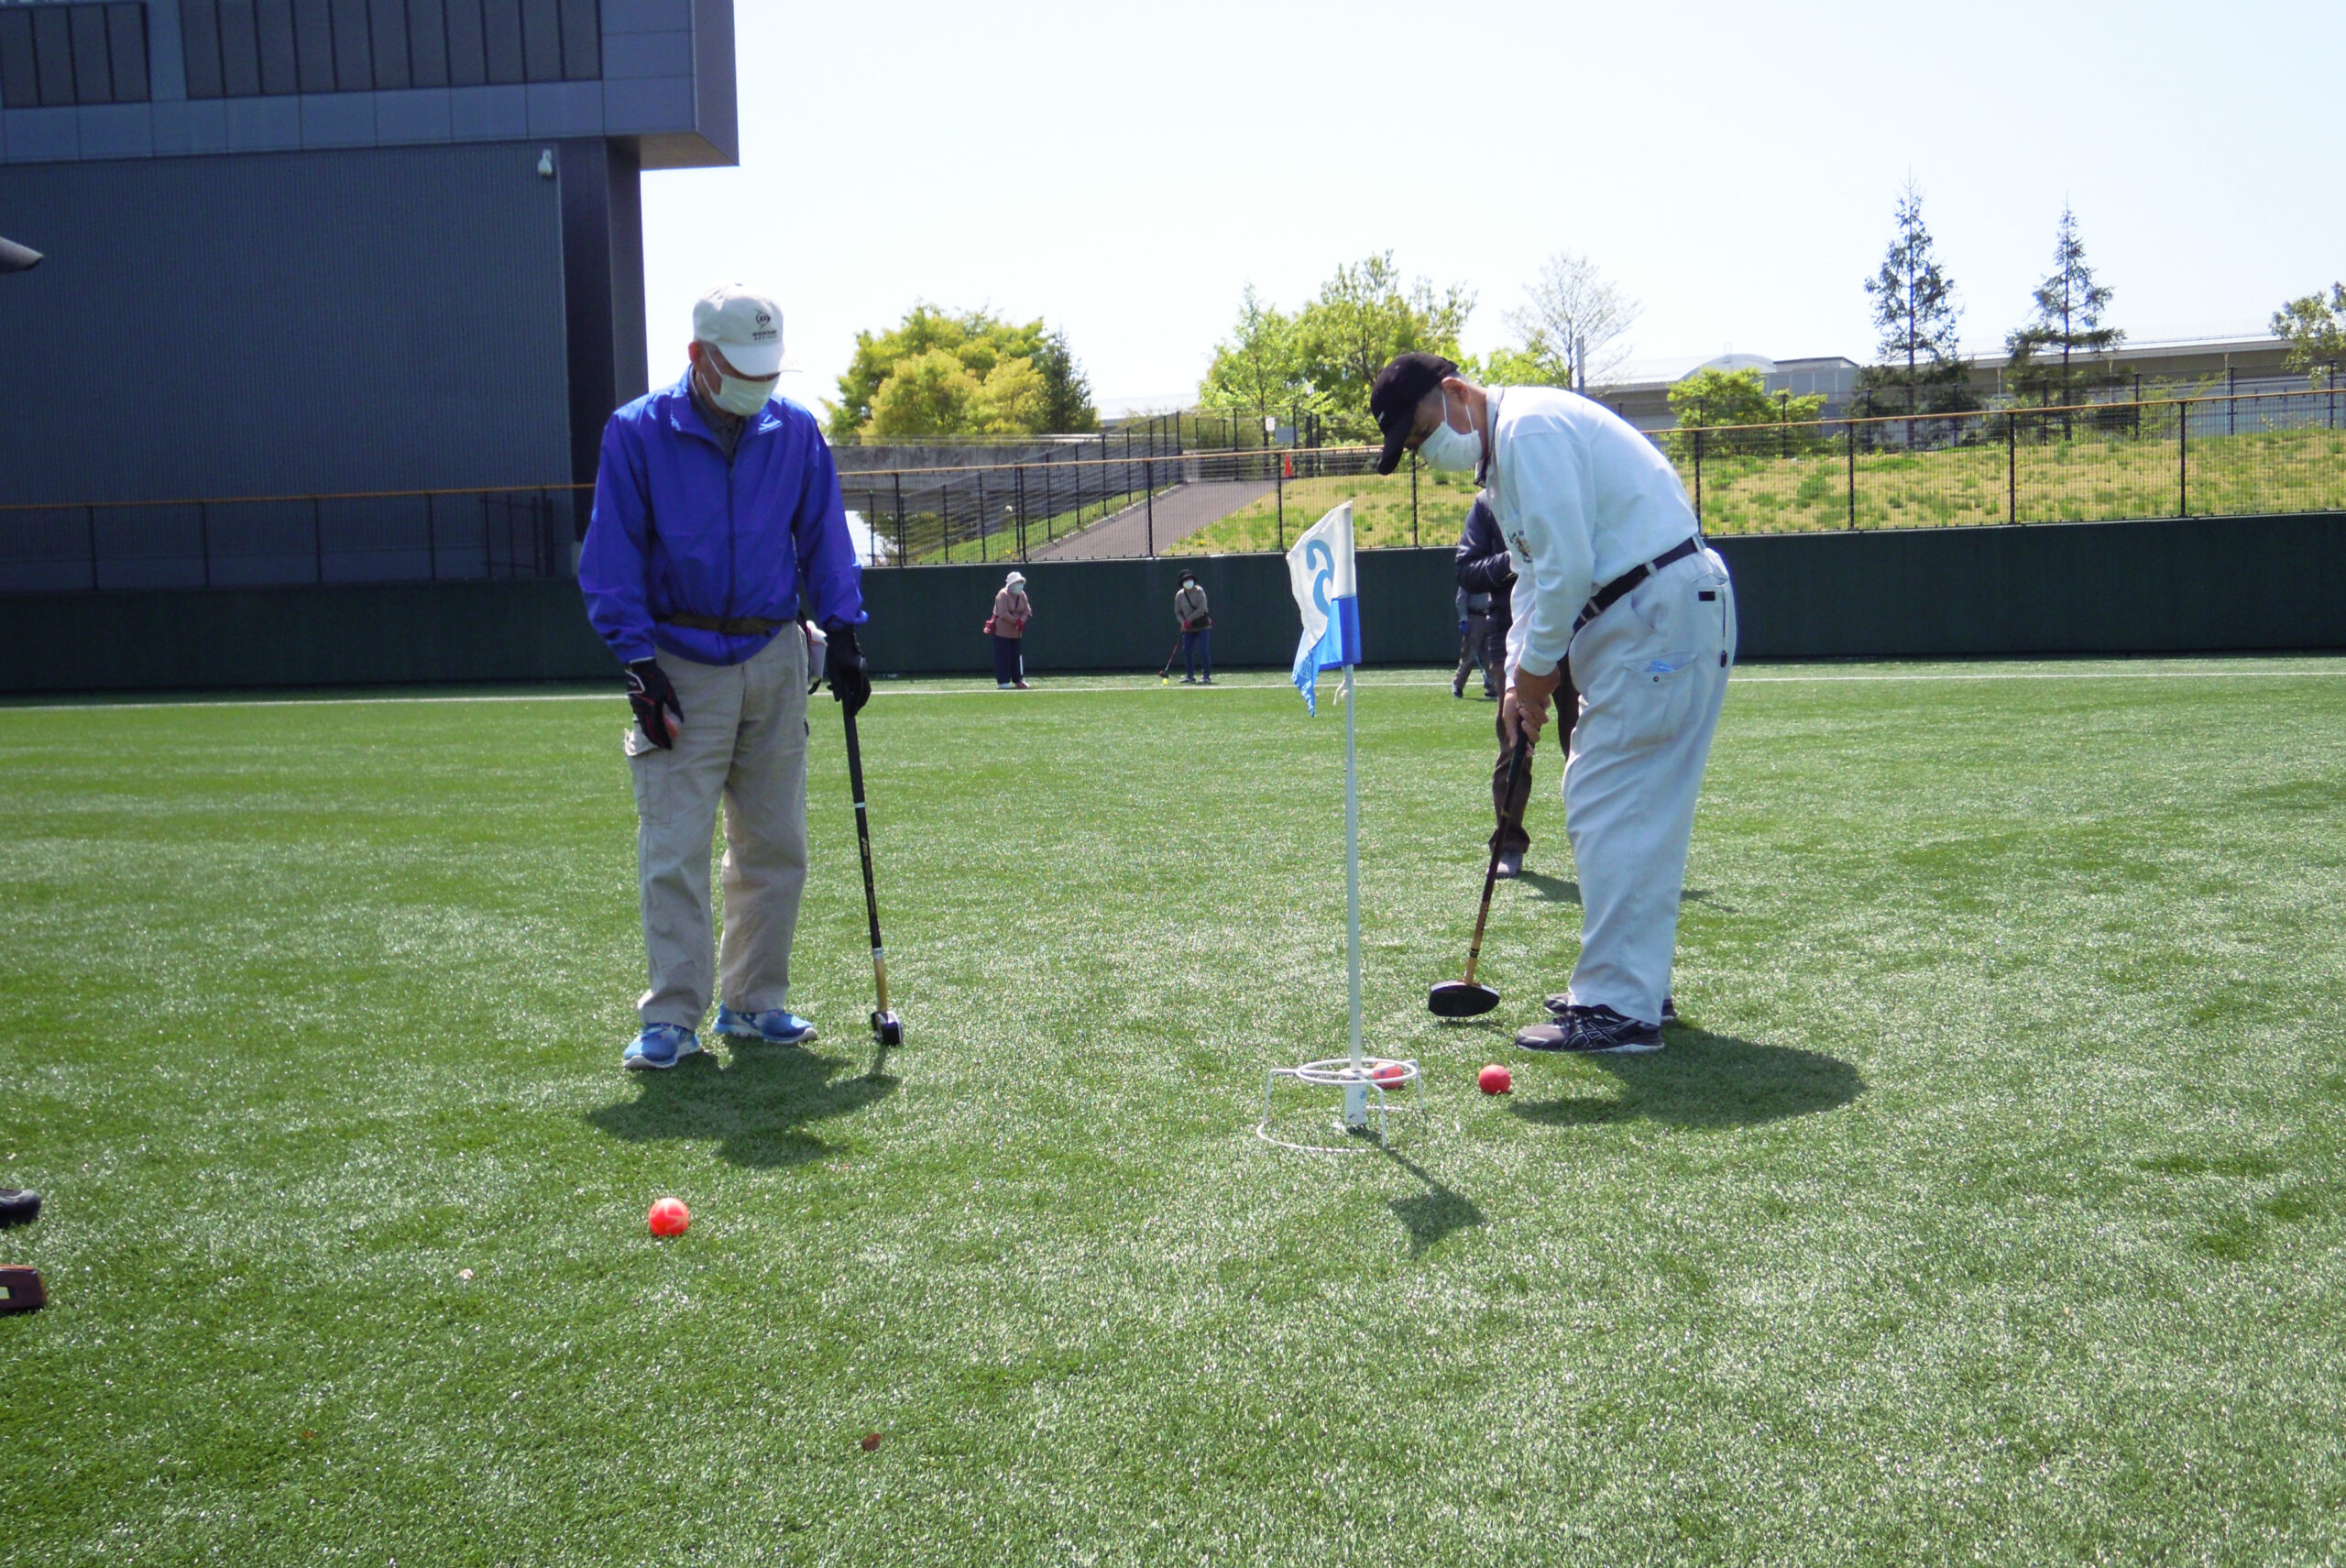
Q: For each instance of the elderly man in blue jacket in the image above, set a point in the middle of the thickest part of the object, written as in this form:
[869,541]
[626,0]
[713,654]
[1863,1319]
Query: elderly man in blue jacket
[717,517]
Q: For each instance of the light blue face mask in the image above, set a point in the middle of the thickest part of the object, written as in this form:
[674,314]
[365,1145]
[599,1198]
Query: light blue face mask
[1449,450]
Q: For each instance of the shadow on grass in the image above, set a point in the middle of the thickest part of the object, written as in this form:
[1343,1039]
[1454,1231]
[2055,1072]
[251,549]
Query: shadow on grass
[1551,889]
[1433,1213]
[755,1109]
[1558,890]
[1707,1081]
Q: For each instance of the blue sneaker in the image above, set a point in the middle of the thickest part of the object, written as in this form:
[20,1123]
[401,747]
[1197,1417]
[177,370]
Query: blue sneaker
[660,1044]
[776,1025]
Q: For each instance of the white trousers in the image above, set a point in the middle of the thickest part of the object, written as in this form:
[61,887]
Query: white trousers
[1652,673]
[744,741]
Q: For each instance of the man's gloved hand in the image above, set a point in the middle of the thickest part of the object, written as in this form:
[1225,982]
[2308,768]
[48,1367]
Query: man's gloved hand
[654,701]
[851,681]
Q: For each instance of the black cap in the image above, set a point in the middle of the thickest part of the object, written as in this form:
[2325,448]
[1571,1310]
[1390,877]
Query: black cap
[15,257]
[1393,402]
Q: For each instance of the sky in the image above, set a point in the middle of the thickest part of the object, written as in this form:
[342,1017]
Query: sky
[1125,171]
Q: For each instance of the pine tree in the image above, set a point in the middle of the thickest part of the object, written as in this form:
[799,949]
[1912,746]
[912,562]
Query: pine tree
[1921,367]
[2068,307]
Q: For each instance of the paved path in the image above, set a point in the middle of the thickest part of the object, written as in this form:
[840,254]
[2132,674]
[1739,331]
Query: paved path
[1181,512]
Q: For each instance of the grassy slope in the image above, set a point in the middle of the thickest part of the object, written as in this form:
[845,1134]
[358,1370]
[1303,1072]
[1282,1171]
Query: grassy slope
[2085,480]
[1990,1208]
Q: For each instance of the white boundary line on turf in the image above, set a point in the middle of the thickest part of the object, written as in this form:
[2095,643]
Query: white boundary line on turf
[1138,684]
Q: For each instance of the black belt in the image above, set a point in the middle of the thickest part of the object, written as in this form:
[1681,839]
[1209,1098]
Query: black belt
[731,625]
[1615,591]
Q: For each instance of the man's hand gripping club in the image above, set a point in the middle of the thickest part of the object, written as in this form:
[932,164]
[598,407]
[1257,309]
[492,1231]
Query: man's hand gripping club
[1524,712]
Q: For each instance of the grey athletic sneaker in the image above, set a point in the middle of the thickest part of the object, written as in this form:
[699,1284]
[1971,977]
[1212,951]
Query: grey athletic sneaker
[1592,1031]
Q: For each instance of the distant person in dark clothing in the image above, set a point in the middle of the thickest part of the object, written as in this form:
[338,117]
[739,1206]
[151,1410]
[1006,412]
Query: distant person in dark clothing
[1474,620]
[1197,630]
[1484,566]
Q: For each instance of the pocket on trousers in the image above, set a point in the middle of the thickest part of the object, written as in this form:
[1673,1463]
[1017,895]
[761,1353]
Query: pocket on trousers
[1656,697]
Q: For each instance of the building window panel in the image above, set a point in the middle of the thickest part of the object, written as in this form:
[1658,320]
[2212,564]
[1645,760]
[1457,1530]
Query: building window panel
[542,40]
[280,63]
[354,56]
[501,33]
[239,50]
[93,73]
[127,45]
[467,44]
[427,42]
[313,44]
[53,56]
[19,76]
[582,40]
[389,32]
[200,47]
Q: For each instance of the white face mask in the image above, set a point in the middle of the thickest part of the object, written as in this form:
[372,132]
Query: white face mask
[1448,449]
[737,395]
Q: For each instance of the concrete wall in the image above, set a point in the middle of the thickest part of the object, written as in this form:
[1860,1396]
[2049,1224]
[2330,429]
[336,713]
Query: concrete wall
[2178,585]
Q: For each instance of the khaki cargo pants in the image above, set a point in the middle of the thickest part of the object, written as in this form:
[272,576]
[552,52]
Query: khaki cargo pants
[744,741]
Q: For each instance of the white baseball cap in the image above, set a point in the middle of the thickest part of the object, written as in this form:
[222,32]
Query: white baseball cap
[745,326]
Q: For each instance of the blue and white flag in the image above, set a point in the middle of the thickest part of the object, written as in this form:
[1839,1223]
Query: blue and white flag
[1320,570]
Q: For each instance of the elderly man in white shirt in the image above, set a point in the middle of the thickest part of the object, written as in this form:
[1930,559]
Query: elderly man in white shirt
[1611,572]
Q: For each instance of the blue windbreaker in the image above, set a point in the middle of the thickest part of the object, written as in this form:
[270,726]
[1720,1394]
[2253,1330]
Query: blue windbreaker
[677,529]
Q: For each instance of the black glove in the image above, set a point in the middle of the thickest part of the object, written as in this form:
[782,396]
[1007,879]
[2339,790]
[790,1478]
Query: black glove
[654,701]
[843,663]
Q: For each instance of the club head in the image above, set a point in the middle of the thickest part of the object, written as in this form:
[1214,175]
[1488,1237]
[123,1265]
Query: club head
[1461,999]
[887,1029]
[21,1290]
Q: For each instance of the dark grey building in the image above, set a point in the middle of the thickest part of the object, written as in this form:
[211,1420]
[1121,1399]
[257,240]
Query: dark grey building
[324,248]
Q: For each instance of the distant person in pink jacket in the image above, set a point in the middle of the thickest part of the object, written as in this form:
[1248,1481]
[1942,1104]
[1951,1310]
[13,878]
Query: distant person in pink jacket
[1007,626]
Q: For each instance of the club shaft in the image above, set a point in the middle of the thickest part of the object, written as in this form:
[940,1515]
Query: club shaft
[1514,765]
[863,844]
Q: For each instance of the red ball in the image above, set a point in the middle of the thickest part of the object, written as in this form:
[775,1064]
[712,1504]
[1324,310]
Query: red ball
[1495,1080]
[669,1217]
[1390,1072]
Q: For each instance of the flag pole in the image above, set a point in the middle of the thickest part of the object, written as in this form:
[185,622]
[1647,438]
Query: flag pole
[1356,1091]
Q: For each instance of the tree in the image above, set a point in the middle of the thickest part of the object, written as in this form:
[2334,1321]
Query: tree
[2068,306]
[1362,318]
[2316,328]
[931,393]
[981,343]
[1325,357]
[1921,367]
[1067,407]
[1714,399]
[1254,367]
[1574,318]
[1531,365]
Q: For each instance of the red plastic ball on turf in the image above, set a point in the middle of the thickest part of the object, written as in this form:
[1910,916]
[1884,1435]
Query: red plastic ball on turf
[1495,1080]
[669,1217]
[1390,1072]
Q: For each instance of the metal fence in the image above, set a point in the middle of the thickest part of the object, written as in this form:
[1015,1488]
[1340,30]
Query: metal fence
[1088,506]
[271,540]
[2225,454]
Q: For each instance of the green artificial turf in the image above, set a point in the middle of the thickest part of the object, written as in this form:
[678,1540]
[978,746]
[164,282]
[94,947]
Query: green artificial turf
[1989,1207]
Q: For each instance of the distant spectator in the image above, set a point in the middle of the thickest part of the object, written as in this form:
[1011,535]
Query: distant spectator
[1197,630]
[1473,645]
[1007,626]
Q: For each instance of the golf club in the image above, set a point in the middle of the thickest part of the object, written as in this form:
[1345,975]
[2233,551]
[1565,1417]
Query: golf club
[1165,675]
[1464,998]
[886,1027]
